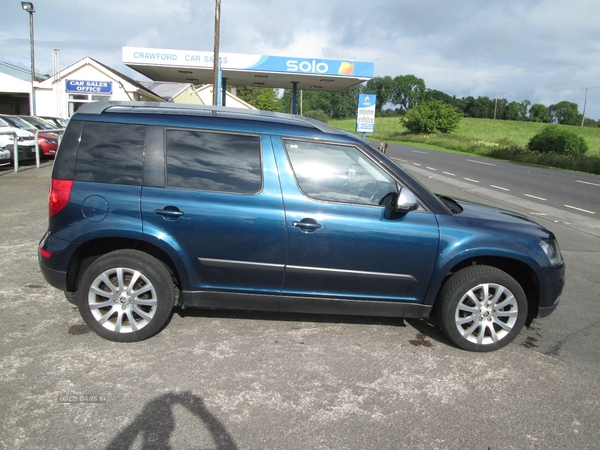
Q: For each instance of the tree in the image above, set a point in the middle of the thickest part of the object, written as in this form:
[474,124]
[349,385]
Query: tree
[434,116]
[266,101]
[408,91]
[523,108]
[479,108]
[511,112]
[259,97]
[433,94]
[565,113]
[345,103]
[539,113]
[382,87]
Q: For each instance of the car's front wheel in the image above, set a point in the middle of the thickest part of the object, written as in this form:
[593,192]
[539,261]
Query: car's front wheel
[126,296]
[482,308]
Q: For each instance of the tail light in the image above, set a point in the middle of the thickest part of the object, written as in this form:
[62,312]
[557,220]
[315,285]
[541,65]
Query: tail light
[60,191]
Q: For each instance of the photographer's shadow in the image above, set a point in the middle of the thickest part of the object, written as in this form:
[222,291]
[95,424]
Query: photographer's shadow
[155,424]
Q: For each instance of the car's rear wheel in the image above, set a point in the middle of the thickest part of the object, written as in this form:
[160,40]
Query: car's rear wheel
[126,296]
[482,308]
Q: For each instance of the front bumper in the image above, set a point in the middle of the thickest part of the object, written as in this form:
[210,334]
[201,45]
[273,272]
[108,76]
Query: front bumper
[552,282]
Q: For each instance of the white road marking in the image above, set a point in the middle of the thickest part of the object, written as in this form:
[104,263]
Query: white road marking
[449,173]
[499,187]
[537,198]
[431,168]
[587,182]
[417,164]
[579,209]
[474,181]
[481,162]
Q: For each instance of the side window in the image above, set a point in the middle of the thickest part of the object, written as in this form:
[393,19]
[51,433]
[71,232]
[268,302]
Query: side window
[111,153]
[338,173]
[213,161]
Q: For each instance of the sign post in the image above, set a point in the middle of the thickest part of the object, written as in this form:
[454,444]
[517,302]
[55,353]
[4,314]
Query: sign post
[365,116]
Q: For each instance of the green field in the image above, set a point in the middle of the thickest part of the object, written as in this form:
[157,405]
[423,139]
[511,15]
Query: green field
[502,139]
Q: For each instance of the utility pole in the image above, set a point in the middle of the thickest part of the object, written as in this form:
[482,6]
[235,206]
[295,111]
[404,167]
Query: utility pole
[216,53]
[495,106]
[584,104]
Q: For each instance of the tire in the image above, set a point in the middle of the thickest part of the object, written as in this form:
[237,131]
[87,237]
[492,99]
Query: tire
[482,308]
[126,296]
[71,297]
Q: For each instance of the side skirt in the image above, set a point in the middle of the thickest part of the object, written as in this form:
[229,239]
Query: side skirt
[311,305]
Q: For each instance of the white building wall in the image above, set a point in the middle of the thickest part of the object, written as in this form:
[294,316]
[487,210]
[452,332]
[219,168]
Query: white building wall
[53,99]
[13,85]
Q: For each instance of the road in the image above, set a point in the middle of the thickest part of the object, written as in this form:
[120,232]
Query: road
[570,191]
[237,380]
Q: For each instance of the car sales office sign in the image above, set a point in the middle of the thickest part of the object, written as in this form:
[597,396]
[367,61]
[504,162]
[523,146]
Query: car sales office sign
[89,87]
[365,117]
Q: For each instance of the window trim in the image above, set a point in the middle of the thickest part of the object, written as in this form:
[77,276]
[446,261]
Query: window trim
[341,144]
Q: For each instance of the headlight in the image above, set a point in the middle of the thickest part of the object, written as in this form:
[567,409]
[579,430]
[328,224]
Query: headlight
[550,247]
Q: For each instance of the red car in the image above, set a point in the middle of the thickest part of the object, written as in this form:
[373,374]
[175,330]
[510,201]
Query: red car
[48,142]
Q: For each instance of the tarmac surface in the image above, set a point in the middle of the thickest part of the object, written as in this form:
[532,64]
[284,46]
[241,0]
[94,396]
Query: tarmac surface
[242,380]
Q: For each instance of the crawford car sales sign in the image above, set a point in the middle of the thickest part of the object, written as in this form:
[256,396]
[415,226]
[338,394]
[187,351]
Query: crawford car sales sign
[89,87]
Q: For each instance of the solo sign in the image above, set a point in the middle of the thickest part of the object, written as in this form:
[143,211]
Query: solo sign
[89,87]
[365,117]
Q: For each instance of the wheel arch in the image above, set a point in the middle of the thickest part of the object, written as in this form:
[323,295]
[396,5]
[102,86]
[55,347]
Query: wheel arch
[90,251]
[523,273]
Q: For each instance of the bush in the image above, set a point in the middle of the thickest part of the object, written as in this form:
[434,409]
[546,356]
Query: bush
[434,116]
[555,139]
[316,114]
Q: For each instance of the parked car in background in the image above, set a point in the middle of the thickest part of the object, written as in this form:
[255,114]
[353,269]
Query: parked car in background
[48,142]
[58,122]
[4,156]
[25,139]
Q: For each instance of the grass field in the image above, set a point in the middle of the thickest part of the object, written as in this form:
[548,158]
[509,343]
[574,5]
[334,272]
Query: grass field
[502,139]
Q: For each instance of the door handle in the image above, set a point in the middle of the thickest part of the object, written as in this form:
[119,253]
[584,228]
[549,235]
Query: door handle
[307,225]
[169,213]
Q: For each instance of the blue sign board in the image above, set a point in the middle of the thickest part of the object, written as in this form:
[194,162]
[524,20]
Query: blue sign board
[89,87]
[237,61]
[365,116]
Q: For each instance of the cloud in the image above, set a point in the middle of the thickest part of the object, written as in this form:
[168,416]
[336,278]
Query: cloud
[538,49]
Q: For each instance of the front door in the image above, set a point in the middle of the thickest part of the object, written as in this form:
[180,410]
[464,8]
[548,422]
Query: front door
[340,245]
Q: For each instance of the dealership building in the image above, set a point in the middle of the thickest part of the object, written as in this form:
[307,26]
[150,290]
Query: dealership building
[178,76]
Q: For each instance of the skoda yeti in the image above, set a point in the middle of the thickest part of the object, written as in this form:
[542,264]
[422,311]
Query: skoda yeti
[157,205]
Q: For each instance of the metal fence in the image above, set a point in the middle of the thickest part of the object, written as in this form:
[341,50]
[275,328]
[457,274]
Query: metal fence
[15,157]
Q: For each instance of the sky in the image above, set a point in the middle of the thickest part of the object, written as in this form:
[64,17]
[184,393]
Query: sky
[544,51]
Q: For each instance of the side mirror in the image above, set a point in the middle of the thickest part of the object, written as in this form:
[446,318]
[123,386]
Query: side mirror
[398,204]
[406,201]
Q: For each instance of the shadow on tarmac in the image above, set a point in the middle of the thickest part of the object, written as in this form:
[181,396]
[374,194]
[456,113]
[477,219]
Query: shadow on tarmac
[155,424]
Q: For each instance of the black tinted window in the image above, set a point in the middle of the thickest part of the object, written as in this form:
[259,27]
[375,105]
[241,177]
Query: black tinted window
[213,161]
[111,153]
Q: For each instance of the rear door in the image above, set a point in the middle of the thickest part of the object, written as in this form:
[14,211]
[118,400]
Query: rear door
[217,213]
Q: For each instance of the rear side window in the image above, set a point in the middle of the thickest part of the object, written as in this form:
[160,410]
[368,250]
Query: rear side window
[111,153]
[209,161]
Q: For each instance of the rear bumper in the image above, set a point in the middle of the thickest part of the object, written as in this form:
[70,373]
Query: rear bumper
[55,267]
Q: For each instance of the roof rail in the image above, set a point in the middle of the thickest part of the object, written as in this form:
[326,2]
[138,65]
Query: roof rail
[222,111]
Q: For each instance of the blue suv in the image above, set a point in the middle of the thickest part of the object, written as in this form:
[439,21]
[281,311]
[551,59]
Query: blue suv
[158,205]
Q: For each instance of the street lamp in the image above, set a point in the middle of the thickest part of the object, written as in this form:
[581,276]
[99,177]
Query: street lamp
[28,6]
